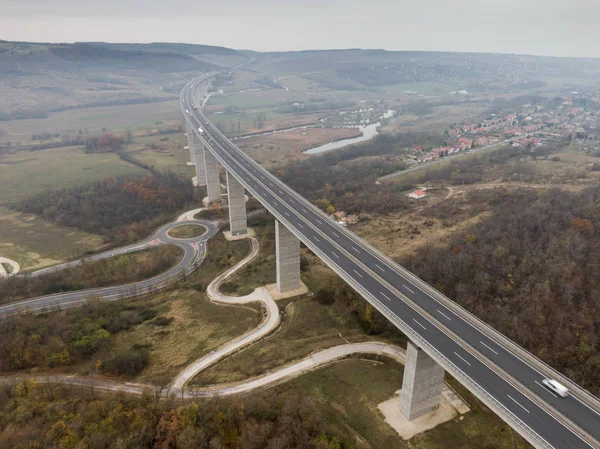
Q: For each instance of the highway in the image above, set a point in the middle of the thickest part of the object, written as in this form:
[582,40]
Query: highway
[194,251]
[487,365]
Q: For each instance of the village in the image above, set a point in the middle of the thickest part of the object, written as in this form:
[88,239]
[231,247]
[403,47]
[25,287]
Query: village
[570,115]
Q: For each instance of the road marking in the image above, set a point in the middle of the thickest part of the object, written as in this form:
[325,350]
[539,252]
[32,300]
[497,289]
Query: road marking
[386,296]
[314,237]
[335,254]
[358,273]
[444,315]
[545,388]
[286,212]
[513,399]
[462,358]
[355,250]
[419,324]
[304,210]
[335,233]
[300,224]
[579,400]
[407,288]
[380,268]
[318,221]
[488,347]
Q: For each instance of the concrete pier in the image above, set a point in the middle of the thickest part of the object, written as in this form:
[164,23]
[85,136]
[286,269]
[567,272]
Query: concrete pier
[199,161]
[236,197]
[213,184]
[190,137]
[422,383]
[287,249]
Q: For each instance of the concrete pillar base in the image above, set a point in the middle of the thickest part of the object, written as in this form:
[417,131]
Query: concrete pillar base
[232,238]
[422,383]
[274,291]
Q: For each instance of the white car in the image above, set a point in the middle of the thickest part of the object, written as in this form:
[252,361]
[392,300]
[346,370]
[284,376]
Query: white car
[556,387]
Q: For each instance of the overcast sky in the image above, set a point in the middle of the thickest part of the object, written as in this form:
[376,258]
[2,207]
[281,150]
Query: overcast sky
[542,27]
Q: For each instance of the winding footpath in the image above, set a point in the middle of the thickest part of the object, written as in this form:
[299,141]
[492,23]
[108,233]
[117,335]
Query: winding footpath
[179,386]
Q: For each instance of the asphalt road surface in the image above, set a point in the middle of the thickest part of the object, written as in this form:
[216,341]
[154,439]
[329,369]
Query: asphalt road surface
[194,250]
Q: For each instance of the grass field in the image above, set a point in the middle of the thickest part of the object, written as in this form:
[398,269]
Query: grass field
[191,327]
[36,243]
[274,149]
[27,173]
[348,392]
[187,231]
[91,120]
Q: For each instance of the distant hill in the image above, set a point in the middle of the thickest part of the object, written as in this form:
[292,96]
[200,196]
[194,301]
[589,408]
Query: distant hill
[73,57]
[188,49]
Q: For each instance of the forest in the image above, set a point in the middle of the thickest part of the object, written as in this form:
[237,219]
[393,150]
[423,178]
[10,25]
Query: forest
[121,210]
[532,271]
[117,270]
[347,178]
[34,415]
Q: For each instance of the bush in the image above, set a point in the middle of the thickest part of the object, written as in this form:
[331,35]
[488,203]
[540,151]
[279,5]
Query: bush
[162,321]
[129,363]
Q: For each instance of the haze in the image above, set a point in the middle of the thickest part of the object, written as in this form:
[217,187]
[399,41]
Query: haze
[552,28]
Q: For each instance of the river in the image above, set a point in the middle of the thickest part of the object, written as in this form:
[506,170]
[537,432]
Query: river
[369,131]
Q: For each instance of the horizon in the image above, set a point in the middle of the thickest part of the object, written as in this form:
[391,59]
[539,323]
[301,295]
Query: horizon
[469,26]
[20,41]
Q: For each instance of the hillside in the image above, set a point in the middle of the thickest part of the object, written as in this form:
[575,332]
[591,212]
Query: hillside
[20,56]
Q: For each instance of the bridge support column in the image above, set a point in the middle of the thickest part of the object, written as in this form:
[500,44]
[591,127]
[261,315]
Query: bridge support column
[236,197]
[190,137]
[213,184]
[199,161]
[287,249]
[422,383]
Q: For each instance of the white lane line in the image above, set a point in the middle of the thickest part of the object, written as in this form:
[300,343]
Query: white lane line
[335,233]
[355,250]
[286,212]
[579,400]
[304,210]
[444,315]
[419,324]
[315,238]
[318,221]
[385,296]
[335,254]
[408,288]
[358,273]
[513,399]
[300,224]
[488,347]
[462,358]
[380,268]
[545,388]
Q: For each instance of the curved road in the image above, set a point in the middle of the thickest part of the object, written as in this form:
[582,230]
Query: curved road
[194,251]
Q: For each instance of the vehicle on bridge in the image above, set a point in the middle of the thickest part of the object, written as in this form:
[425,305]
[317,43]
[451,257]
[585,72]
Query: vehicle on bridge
[201,131]
[556,387]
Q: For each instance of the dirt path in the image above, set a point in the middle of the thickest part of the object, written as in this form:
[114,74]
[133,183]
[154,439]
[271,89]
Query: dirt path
[269,323]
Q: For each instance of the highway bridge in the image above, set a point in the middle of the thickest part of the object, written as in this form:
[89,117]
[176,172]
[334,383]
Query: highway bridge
[443,336]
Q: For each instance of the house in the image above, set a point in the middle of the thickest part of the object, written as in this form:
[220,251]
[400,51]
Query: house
[417,195]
